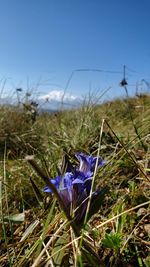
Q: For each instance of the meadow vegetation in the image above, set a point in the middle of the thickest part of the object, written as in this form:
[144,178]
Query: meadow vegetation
[34,230]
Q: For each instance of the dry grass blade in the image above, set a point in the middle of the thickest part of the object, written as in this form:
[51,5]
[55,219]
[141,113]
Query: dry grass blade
[138,167]
[124,212]
[37,261]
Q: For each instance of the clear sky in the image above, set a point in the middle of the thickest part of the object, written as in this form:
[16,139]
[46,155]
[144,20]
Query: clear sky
[43,41]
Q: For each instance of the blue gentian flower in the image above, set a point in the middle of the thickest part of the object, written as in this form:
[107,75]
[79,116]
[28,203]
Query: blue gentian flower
[74,186]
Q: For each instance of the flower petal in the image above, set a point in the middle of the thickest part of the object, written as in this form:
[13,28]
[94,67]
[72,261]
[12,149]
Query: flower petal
[77,181]
[85,166]
[55,182]
[66,195]
[67,180]
[47,190]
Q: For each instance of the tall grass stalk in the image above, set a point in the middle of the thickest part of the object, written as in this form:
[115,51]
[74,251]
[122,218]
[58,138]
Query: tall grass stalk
[93,181]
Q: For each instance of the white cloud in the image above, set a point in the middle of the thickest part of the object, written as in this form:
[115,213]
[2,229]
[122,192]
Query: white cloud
[58,95]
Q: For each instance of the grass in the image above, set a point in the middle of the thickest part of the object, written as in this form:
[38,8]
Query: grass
[33,228]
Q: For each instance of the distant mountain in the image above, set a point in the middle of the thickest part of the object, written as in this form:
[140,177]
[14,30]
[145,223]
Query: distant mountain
[53,101]
[56,100]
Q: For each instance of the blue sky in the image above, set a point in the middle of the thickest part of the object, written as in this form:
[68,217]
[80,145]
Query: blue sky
[44,41]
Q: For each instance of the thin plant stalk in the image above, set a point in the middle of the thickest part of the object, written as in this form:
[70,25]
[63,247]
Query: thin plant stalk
[93,180]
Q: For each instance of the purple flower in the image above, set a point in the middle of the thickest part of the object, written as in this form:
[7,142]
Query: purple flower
[74,187]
